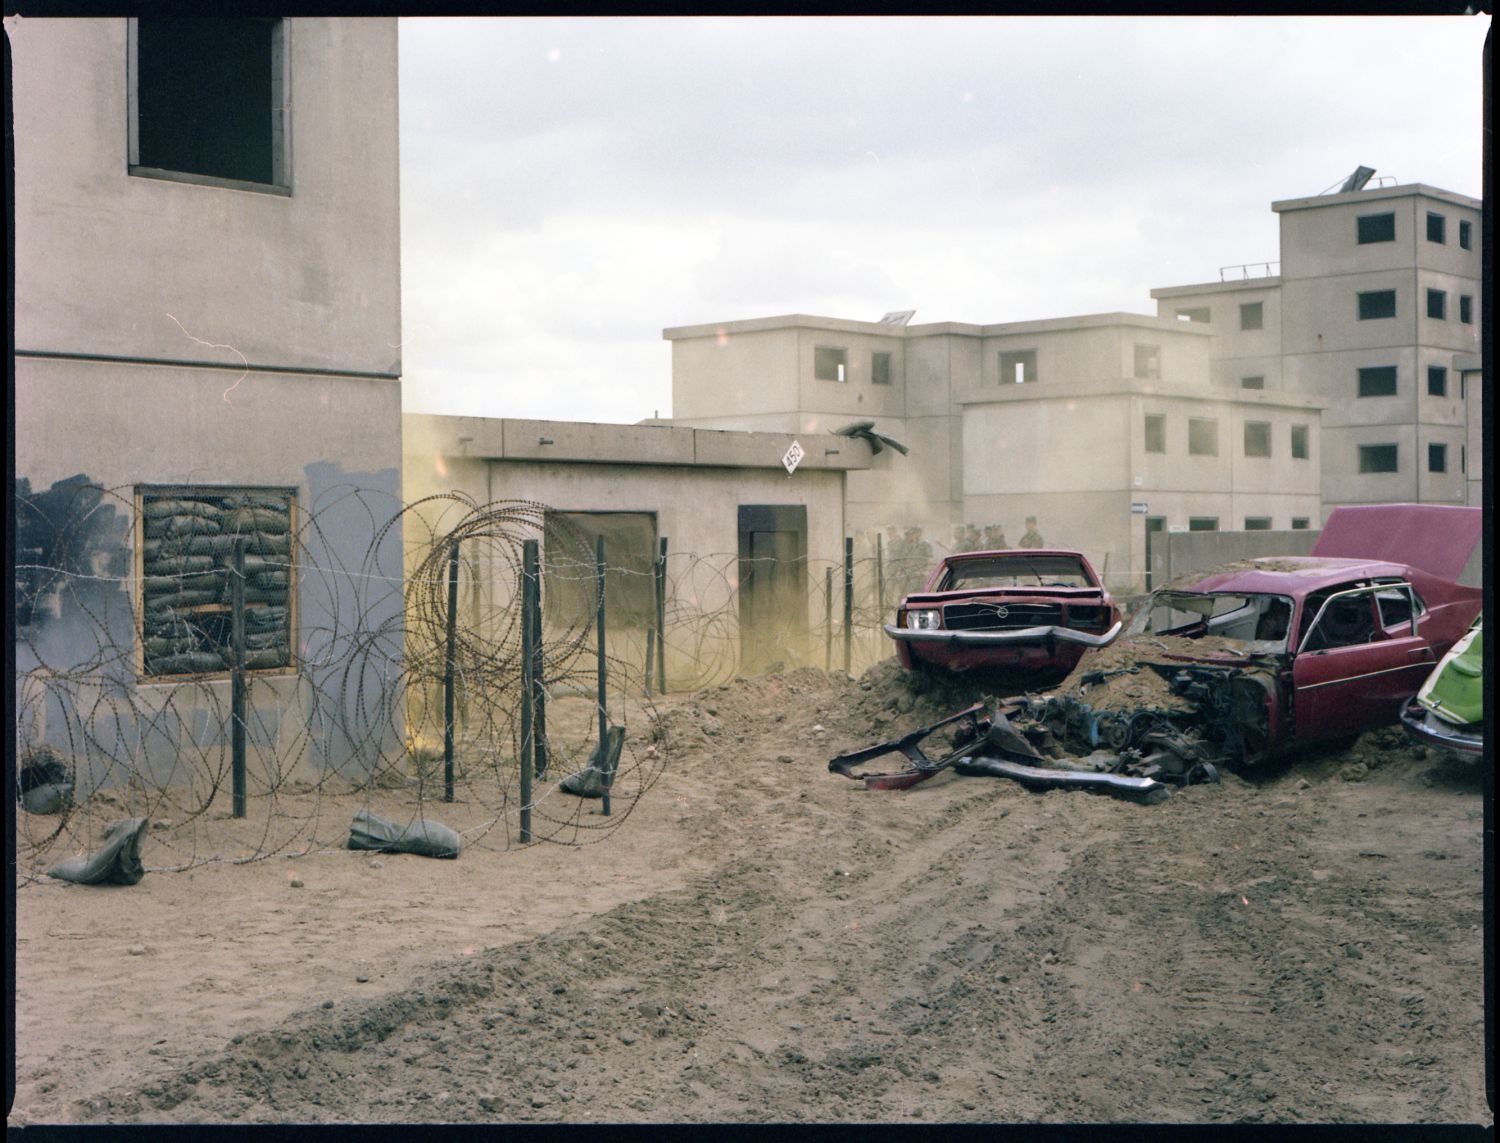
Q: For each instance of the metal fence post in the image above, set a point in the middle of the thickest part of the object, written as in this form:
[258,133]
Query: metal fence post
[603,684]
[848,598]
[828,619]
[237,675]
[528,694]
[538,674]
[661,619]
[452,641]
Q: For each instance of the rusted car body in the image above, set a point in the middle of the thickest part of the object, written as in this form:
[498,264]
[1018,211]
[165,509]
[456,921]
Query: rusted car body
[1268,656]
[1026,609]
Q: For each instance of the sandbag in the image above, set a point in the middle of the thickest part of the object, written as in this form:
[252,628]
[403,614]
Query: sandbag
[599,774]
[45,787]
[422,837]
[117,862]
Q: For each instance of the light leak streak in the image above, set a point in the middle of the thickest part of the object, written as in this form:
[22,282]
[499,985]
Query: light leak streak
[245,361]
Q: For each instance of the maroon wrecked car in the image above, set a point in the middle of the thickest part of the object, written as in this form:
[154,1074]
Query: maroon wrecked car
[1024,609]
[1264,657]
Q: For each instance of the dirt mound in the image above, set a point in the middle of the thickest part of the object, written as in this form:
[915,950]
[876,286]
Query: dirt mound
[767,942]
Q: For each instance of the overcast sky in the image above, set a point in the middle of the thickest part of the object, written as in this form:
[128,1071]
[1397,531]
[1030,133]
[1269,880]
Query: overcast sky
[570,188]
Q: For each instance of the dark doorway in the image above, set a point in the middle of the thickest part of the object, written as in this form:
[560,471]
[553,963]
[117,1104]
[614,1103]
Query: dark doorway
[1156,527]
[773,585]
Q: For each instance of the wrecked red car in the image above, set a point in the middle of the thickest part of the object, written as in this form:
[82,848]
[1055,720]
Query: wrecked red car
[1264,657]
[1024,609]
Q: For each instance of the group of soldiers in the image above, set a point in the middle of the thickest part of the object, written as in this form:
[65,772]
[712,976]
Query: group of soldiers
[908,557]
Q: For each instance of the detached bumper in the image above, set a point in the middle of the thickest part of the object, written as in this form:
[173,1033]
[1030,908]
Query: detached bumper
[1426,727]
[1033,636]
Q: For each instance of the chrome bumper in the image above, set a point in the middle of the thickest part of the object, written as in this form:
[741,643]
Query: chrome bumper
[1426,727]
[1034,635]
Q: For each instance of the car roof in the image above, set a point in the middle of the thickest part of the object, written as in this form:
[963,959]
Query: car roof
[955,556]
[1299,575]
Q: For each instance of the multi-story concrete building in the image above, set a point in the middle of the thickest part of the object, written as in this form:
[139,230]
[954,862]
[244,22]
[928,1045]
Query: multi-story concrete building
[1375,311]
[207,333]
[1105,427]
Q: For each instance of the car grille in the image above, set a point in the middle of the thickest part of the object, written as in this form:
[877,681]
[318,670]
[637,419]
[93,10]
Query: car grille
[985,617]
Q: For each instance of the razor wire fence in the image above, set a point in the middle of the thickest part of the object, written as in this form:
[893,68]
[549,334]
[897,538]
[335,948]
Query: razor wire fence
[382,653]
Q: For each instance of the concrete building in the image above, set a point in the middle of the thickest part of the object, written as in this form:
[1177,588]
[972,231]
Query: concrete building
[207,330]
[1375,311]
[1106,427]
[749,543]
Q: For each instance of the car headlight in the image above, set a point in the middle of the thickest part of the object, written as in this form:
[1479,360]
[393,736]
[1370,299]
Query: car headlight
[924,620]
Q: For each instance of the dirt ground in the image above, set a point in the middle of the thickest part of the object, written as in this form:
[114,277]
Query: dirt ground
[763,941]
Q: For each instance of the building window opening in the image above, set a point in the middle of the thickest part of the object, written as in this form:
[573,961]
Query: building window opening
[1376,304]
[188,540]
[1378,458]
[1196,313]
[1203,436]
[1257,438]
[1376,228]
[1257,523]
[1300,523]
[1466,309]
[1148,362]
[1437,227]
[1299,442]
[1465,234]
[1437,305]
[1018,367]
[1256,382]
[1156,432]
[209,99]
[1253,315]
[1437,381]
[1437,458]
[880,368]
[1203,523]
[830,363]
[1377,381]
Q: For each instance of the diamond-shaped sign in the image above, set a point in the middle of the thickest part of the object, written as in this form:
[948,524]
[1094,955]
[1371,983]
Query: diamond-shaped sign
[793,458]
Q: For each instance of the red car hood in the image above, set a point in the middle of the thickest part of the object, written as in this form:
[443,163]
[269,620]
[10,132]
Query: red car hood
[1440,539]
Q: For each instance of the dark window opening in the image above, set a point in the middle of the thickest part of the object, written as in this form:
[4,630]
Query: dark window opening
[209,98]
[1018,367]
[880,368]
[1378,458]
[1376,228]
[1437,227]
[1300,523]
[830,363]
[1257,438]
[1203,437]
[1437,381]
[1203,523]
[1253,315]
[1437,305]
[1437,458]
[1299,442]
[1377,381]
[1465,234]
[1148,361]
[1376,304]
[1466,309]
[1257,382]
[188,540]
[1156,432]
[1257,523]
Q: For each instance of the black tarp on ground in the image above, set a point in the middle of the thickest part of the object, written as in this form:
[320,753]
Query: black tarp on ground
[422,837]
[116,862]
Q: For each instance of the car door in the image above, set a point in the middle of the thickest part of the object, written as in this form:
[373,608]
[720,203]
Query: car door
[1359,660]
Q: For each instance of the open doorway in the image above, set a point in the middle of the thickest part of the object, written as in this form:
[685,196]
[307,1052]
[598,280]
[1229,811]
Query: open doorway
[773,585]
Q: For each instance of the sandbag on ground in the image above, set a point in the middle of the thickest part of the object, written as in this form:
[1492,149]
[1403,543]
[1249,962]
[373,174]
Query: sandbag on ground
[425,838]
[593,779]
[117,862]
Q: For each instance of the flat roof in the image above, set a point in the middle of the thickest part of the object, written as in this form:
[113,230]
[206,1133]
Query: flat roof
[1376,194]
[930,329]
[1237,285]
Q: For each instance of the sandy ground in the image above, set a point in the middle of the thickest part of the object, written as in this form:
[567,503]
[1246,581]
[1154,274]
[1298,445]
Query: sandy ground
[760,940]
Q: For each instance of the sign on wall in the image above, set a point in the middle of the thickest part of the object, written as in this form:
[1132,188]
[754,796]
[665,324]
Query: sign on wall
[793,458]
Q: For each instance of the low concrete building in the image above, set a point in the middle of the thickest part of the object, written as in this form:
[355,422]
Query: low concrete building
[749,542]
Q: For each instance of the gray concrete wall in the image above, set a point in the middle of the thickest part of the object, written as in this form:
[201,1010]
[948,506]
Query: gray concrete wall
[1178,554]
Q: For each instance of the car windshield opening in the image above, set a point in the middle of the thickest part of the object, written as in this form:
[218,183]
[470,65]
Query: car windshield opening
[1261,620]
[1019,571]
